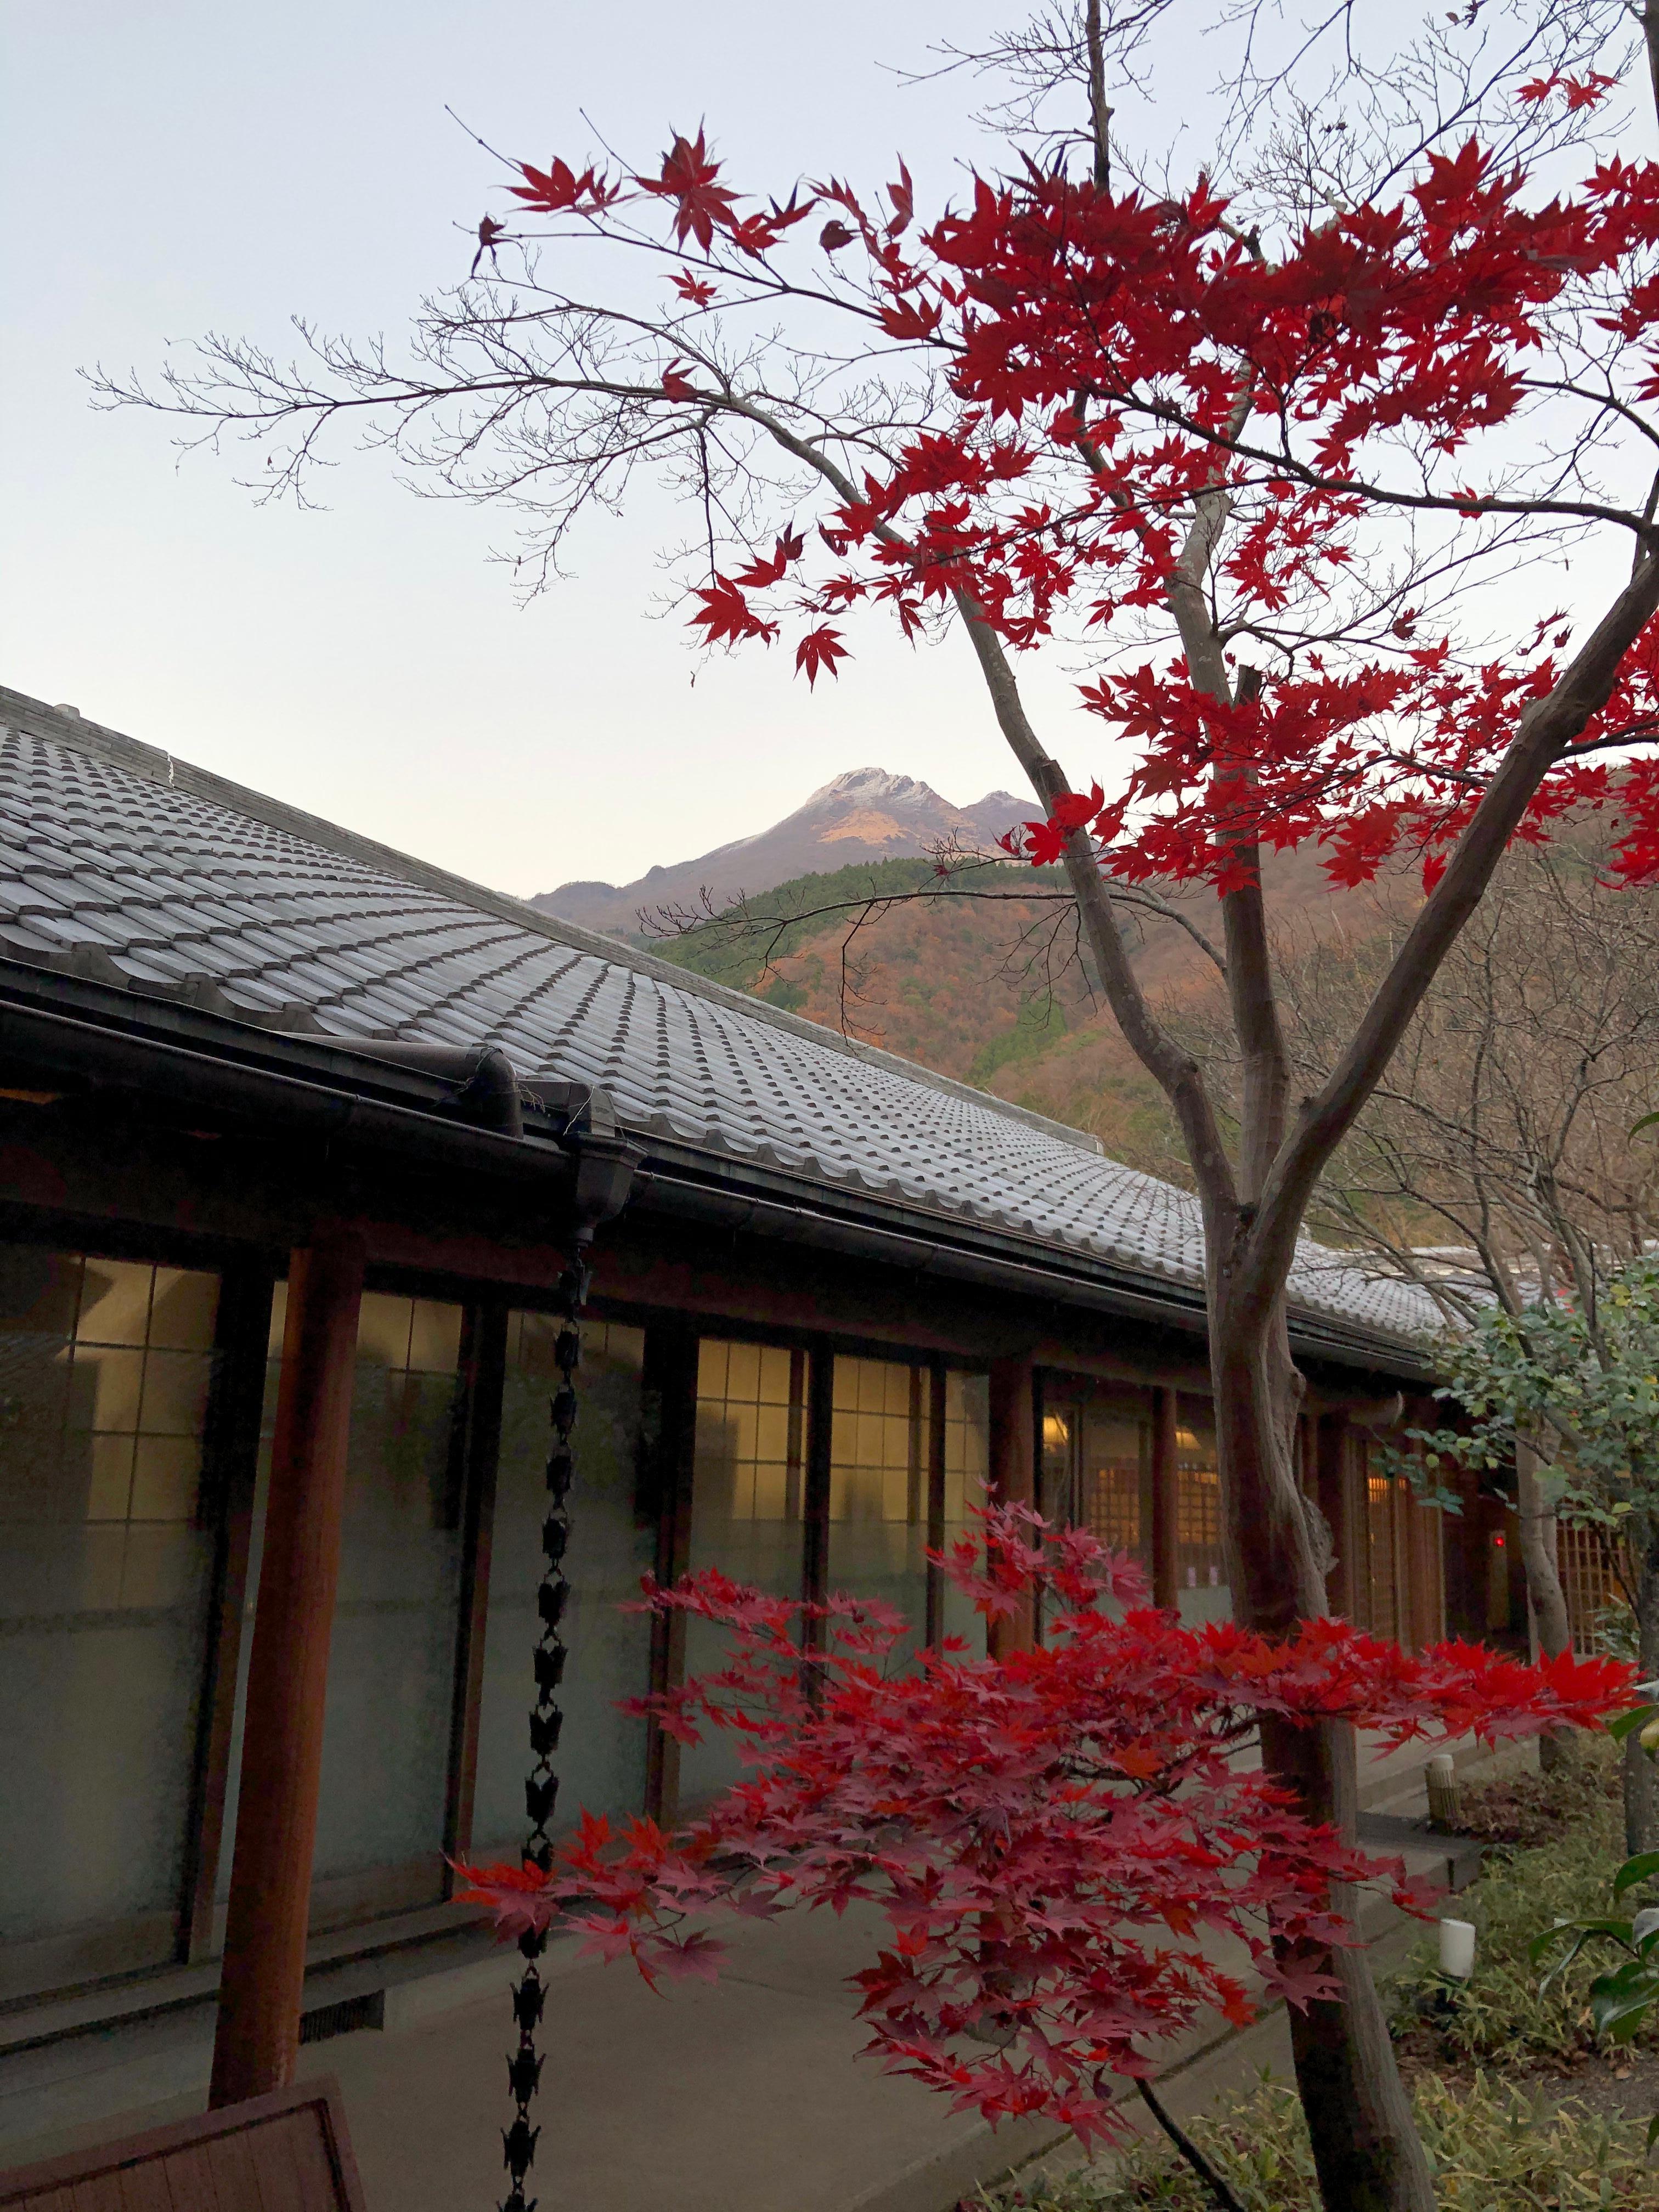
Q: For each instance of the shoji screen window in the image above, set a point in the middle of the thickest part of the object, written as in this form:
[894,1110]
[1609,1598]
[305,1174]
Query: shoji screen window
[967,1466]
[392,1659]
[878,1472]
[1201,1591]
[747,1498]
[106,1551]
[1115,1474]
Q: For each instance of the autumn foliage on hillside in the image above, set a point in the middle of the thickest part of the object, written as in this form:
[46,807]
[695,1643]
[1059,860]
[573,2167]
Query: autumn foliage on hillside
[1056,1839]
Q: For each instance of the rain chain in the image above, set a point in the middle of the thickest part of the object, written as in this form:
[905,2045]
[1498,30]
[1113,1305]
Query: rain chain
[524,2067]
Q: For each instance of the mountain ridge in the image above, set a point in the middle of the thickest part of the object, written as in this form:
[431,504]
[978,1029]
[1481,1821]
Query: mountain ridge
[863,815]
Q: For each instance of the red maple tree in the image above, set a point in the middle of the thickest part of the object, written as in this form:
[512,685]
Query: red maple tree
[1256,446]
[1059,1840]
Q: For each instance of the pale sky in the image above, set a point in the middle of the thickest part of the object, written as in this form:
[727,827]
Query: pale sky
[177,167]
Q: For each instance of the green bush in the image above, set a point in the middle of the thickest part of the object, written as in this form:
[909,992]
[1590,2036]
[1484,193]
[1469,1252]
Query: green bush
[1494,2149]
[1500,2018]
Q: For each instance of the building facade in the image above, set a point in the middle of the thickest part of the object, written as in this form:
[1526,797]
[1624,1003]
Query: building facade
[833,1297]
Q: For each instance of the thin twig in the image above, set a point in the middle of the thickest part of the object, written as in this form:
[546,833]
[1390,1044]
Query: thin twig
[1189,2150]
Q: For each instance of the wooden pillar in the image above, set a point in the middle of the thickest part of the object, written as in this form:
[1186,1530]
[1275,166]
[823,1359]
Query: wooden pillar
[1013,1477]
[936,1441]
[1331,1493]
[1166,1485]
[670,1451]
[230,1459]
[477,1447]
[815,1572]
[261,1987]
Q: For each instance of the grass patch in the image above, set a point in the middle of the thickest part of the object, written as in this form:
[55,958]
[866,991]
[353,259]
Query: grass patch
[1487,2067]
[1493,2148]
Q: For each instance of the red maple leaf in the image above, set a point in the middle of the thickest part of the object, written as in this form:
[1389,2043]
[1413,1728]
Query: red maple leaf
[702,206]
[725,616]
[558,190]
[820,648]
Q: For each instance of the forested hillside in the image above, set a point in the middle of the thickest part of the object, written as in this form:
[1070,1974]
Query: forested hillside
[978,976]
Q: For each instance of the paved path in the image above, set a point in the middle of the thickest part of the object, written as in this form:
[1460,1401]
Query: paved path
[747,2096]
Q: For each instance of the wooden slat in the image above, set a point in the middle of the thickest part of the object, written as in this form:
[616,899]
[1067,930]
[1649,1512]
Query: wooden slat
[190,2180]
[314,2169]
[271,2151]
[147,2187]
[232,2164]
[286,2151]
[100,2193]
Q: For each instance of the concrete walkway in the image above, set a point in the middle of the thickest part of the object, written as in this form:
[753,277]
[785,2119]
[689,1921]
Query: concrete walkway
[745,2096]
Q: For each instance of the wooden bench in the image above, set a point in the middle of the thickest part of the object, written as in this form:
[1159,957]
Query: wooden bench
[287,2152]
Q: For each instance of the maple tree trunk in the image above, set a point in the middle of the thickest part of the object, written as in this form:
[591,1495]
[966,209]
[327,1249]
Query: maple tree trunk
[1366,2150]
[1544,1596]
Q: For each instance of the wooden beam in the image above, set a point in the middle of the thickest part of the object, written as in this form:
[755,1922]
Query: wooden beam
[935,1500]
[1013,1477]
[260,1989]
[1331,1490]
[1166,1491]
[670,1396]
[230,1456]
[483,1374]
[815,1503]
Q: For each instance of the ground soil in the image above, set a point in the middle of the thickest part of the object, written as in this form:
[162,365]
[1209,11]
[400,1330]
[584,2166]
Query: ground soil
[1625,2087]
[1523,1810]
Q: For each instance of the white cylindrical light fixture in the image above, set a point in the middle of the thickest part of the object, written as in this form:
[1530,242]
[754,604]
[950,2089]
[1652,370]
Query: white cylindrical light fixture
[1457,1949]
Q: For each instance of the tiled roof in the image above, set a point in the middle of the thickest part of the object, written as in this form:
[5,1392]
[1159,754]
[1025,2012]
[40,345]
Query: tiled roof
[173,875]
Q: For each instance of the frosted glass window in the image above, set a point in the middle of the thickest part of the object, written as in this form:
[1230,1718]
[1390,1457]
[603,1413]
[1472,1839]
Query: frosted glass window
[105,1576]
[967,1468]
[392,1658]
[601,1757]
[747,1495]
[878,1486]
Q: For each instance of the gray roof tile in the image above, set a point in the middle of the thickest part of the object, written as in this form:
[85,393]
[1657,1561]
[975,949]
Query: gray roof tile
[177,873]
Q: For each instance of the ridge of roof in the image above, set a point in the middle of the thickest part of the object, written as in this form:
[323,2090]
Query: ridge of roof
[292,922]
[97,739]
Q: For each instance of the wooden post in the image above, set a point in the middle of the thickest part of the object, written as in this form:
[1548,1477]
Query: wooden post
[1166,1483]
[261,1988]
[1331,1493]
[815,1574]
[1013,1477]
[671,1398]
[477,1447]
[230,1458]
[936,1437]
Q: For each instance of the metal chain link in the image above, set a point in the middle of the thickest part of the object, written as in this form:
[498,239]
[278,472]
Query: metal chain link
[541,1790]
